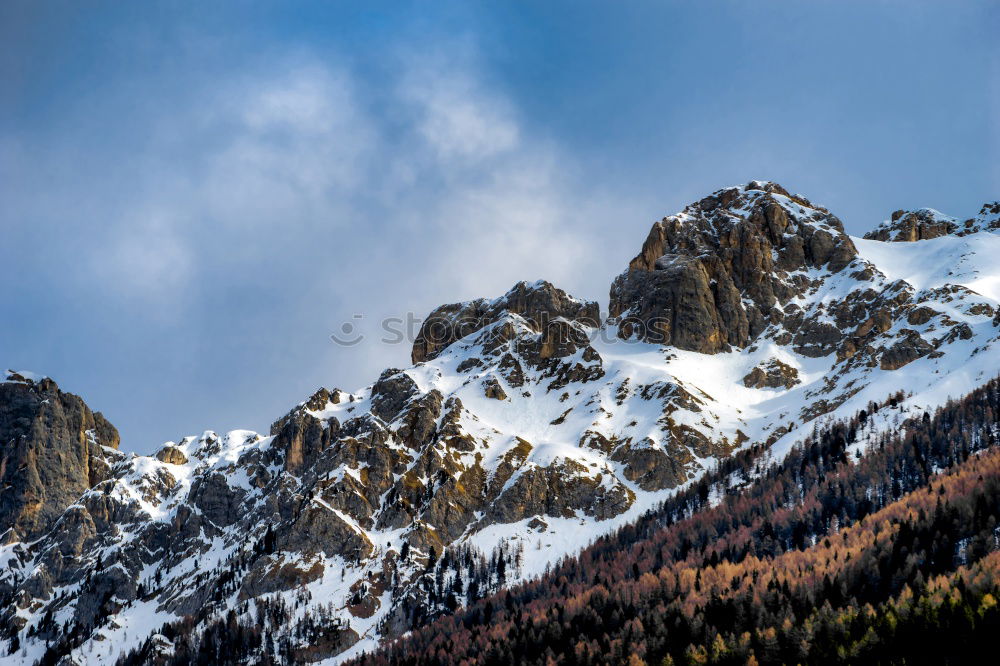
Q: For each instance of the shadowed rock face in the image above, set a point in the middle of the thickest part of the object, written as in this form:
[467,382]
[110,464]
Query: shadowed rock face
[773,374]
[906,226]
[538,303]
[50,453]
[714,276]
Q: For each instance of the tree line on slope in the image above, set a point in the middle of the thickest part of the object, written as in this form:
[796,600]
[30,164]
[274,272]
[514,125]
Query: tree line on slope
[766,514]
[267,631]
[820,559]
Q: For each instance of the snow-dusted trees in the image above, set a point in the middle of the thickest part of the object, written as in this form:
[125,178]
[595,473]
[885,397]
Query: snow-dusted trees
[823,558]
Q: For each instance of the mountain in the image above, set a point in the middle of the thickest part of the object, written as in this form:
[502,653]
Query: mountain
[525,429]
[891,558]
[54,449]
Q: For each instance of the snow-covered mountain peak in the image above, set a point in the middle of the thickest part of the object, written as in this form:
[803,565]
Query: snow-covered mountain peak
[736,203]
[22,377]
[536,302]
[716,275]
[988,218]
[525,428]
[927,224]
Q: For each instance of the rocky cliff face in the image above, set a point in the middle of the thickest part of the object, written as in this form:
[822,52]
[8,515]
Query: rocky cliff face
[754,266]
[524,429]
[714,276]
[519,433]
[538,304]
[927,223]
[52,449]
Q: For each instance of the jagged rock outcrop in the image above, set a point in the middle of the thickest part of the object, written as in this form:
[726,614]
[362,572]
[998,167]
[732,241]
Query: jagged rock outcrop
[559,490]
[714,276]
[492,389]
[927,223]
[538,303]
[52,449]
[772,374]
[907,349]
[914,225]
[171,454]
[391,393]
[988,218]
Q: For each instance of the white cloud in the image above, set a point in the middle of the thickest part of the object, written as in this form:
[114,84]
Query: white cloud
[147,258]
[456,115]
[275,153]
[298,143]
[509,208]
[460,199]
[336,197]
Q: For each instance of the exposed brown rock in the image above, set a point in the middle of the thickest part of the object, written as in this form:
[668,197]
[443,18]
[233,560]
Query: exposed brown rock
[172,455]
[817,338]
[714,276]
[321,398]
[538,303]
[391,392]
[921,315]
[652,467]
[302,437]
[469,364]
[561,338]
[908,349]
[926,224]
[772,374]
[218,501]
[511,370]
[557,490]
[51,451]
[961,331]
[269,576]
[319,530]
[492,389]
[419,419]
[908,226]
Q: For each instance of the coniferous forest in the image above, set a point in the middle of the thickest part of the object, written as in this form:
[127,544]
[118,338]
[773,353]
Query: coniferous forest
[890,557]
[822,559]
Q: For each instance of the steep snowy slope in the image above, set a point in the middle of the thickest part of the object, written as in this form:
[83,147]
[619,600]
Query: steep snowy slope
[524,429]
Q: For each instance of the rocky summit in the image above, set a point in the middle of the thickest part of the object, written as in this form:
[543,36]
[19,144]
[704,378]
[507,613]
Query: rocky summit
[54,449]
[526,427]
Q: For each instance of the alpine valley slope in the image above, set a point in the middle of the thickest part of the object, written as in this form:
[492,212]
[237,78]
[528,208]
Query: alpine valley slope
[525,428]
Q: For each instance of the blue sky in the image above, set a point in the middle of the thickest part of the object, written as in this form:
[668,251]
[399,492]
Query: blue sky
[192,199]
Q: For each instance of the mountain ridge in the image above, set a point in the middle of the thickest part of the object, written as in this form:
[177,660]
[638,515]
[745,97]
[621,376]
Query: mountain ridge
[525,429]
[818,558]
